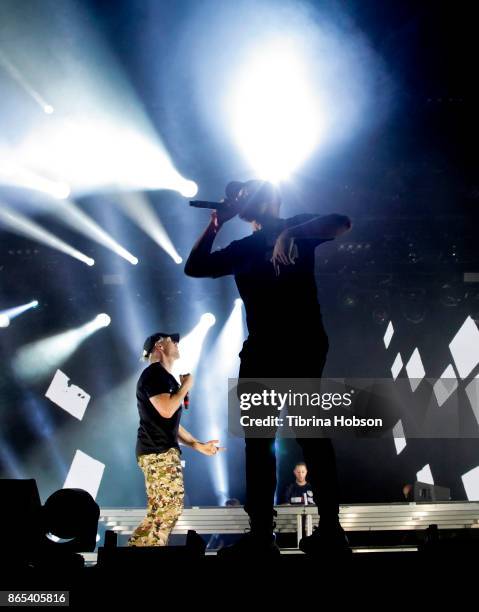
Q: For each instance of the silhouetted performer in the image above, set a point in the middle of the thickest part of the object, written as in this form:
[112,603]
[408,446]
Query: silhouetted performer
[274,273]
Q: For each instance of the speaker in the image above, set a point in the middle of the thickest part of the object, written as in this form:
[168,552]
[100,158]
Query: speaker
[21,518]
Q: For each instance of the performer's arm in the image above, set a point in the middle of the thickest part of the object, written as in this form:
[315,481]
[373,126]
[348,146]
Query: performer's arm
[201,261]
[186,438]
[206,448]
[322,228]
[326,227]
[197,262]
[168,403]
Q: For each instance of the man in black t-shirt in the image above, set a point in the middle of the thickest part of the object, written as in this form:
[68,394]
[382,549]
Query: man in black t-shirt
[160,399]
[274,273]
[299,491]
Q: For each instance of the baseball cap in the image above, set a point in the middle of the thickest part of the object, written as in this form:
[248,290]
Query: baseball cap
[259,190]
[153,339]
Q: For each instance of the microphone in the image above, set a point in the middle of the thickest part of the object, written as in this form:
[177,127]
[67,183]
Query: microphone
[186,401]
[231,191]
[210,205]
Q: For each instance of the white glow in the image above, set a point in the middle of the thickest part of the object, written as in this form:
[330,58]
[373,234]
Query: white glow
[22,177]
[4,320]
[98,152]
[191,345]
[103,320]
[101,139]
[11,313]
[224,361]
[138,208]
[19,224]
[188,189]
[276,116]
[37,359]
[291,77]
[208,319]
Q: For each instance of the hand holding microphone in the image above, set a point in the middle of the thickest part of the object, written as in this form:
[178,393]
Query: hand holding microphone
[225,209]
[186,381]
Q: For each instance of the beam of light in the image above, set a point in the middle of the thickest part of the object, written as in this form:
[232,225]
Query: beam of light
[19,224]
[190,346]
[8,460]
[17,176]
[224,363]
[297,78]
[34,361]
[18,78]
[140,211]
[95,153]
[276,116]
[38,415]
[79,221]
[10,313]
[93,133]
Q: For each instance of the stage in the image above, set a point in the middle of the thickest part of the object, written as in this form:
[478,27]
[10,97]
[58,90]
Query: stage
[371,528]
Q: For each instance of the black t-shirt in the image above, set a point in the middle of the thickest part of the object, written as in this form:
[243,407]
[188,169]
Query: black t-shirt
[155,433]
[287,302]
[295,491]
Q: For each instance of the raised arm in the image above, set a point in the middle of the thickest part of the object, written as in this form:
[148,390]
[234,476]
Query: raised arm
[322,228]
[197,264]
[201,261]
[326,227]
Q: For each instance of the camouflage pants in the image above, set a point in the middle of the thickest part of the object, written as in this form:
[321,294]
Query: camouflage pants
[165,493]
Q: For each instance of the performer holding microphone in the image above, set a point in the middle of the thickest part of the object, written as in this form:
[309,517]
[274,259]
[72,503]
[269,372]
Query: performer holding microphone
[160,400]
[274,273]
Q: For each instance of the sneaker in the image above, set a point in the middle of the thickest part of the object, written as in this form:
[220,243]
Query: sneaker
[263,545]
[326,540]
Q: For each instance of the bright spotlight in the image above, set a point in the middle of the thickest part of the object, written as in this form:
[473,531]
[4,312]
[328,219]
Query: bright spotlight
[238,302]
[48,109]
[103,320]
[276,117]
[11,313]
[62,191]
[189,189]
[38,359]
[4,320]
[19,224]
[191,345]
[138,208]
[208,319]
